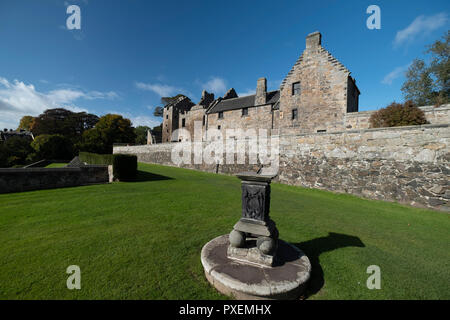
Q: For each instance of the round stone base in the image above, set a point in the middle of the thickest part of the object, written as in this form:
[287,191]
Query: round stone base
[287,279]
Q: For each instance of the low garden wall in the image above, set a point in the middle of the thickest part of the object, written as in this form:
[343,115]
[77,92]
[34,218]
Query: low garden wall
[25,179]
[405,164]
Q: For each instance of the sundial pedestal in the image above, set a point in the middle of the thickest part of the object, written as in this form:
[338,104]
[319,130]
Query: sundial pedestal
[252,262]
[254,238]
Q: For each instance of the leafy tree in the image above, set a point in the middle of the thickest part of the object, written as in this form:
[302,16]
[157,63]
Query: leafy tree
[440,67]
[25,123]
[419,86]
[14,151]
[430,84]
[158,112]
[141,134]
[396,115]
[52,147]
[157,133]
[64,122]
[110,129]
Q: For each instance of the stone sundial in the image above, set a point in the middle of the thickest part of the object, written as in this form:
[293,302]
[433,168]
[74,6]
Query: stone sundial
[252,262]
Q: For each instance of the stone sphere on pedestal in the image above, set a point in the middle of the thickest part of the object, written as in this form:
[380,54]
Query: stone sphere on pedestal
[266,245]
[237,239]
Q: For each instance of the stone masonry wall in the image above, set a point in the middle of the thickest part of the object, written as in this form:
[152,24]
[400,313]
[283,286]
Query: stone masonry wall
[434,115]
[405,164]
[25,179]
[258,118]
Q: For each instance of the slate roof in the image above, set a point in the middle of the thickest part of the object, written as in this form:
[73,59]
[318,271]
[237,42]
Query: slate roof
[243,102]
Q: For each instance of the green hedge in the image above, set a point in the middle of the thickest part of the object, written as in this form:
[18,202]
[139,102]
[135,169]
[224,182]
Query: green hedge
[124,165]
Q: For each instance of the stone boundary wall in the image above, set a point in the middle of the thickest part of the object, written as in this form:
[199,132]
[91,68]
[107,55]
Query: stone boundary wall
[26,179]
[405,164]
[434,115]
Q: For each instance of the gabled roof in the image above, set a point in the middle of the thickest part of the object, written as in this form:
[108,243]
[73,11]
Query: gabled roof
[243,102]
[323,51]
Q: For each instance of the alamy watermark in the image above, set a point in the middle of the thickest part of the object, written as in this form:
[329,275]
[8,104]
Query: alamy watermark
[74,280]
[229,146]
[374,280]
[74,20]
[374,20]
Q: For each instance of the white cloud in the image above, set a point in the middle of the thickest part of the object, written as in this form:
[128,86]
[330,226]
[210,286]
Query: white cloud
[18,99]
[139,120]
[215,84]
[145,121]
[394,74]
[162,90]
[247,93]
[421,26]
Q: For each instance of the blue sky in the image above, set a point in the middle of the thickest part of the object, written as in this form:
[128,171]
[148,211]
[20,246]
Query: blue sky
[129,53]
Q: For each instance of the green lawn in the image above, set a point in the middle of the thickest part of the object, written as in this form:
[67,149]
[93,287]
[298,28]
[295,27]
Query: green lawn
[56,165]
[142,240]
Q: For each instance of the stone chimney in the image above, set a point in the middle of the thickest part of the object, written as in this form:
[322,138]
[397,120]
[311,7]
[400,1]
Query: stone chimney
[261,90]
[313,40]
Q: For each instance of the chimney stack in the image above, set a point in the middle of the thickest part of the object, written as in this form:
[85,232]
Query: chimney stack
[261,90]
[313,40]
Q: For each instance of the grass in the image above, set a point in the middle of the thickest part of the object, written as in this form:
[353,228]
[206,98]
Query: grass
[56,165]
[142,240]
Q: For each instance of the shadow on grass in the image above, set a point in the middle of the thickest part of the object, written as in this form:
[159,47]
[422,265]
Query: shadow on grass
[142,176]
[315,247]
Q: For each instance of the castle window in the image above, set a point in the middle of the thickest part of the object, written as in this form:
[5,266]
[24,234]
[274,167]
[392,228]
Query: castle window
[322,130]
[296,88]
[218,127]
[221,115]
[204,120]
[294,114]
[245,111]
[167,116]
[183,122]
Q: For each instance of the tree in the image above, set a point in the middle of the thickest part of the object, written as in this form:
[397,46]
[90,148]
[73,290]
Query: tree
[396,115]
[419,86]
[440,67]
[64,122]
[141,134]
[14,151]
[430,84]
[157,133]
[52,147]
[25,123]
[110,129]
[158,112]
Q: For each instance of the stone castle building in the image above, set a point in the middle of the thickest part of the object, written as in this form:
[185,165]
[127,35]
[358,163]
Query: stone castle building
[317,95]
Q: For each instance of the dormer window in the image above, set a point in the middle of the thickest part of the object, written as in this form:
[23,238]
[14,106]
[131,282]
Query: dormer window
[296,88]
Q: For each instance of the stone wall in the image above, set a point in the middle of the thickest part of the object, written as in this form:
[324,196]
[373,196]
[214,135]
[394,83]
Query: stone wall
[25,179]
[405,164]
[257,118]
[434,115]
